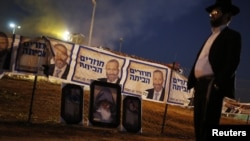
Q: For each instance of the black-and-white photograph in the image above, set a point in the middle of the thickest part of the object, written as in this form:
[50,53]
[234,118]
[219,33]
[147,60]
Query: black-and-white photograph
[131,119]
[72,104]
[105,103]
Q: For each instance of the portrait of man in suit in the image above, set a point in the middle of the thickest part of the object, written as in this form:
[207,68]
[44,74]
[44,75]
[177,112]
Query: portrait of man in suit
[158,91]
[3,50]
[61,68]
[112,72]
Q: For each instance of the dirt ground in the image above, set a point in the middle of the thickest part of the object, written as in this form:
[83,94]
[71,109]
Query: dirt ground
[37,118]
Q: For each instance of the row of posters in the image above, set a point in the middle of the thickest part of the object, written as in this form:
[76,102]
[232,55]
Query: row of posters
[81,65]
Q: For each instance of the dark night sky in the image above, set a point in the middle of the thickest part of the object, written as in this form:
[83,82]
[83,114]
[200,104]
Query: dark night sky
[160,30]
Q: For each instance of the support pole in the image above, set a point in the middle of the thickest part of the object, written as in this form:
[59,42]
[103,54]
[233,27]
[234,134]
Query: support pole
[166,106]
[32,98]
[92,23]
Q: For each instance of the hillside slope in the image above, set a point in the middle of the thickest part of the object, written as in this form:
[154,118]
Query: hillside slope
[18,123]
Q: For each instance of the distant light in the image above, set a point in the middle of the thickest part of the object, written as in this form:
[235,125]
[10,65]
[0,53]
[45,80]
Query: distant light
[66,36]
[13,26]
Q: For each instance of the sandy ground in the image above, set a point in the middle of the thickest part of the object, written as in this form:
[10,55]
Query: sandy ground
[44,125]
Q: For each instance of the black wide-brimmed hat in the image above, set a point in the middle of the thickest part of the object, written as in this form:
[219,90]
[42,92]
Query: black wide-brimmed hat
[226,5]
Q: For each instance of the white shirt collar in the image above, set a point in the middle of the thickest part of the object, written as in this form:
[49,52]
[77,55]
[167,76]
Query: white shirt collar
[62,70]
[158,92]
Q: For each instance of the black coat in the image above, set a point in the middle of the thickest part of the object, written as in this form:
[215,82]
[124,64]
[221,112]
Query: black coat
[224,57]
[105,80]
[151,94]
[65,73]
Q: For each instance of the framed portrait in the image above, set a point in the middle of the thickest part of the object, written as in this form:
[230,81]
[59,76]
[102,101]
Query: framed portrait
[105,103]
[72,104]
[131,114]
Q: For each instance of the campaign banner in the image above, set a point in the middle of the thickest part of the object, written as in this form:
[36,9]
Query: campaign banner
[6,43]
[178,93]
[94,64]
[60,60]
[31,54]
[82,65]
[147,79]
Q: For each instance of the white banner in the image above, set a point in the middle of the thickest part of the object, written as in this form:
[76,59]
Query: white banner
[60,60]
[146,79]
[31,54]
[179,94]
[73,63]
[92,64]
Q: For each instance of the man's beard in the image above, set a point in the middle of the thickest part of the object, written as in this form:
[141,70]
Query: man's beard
[104,113]
[216,23]
[111,77]
[60,63]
